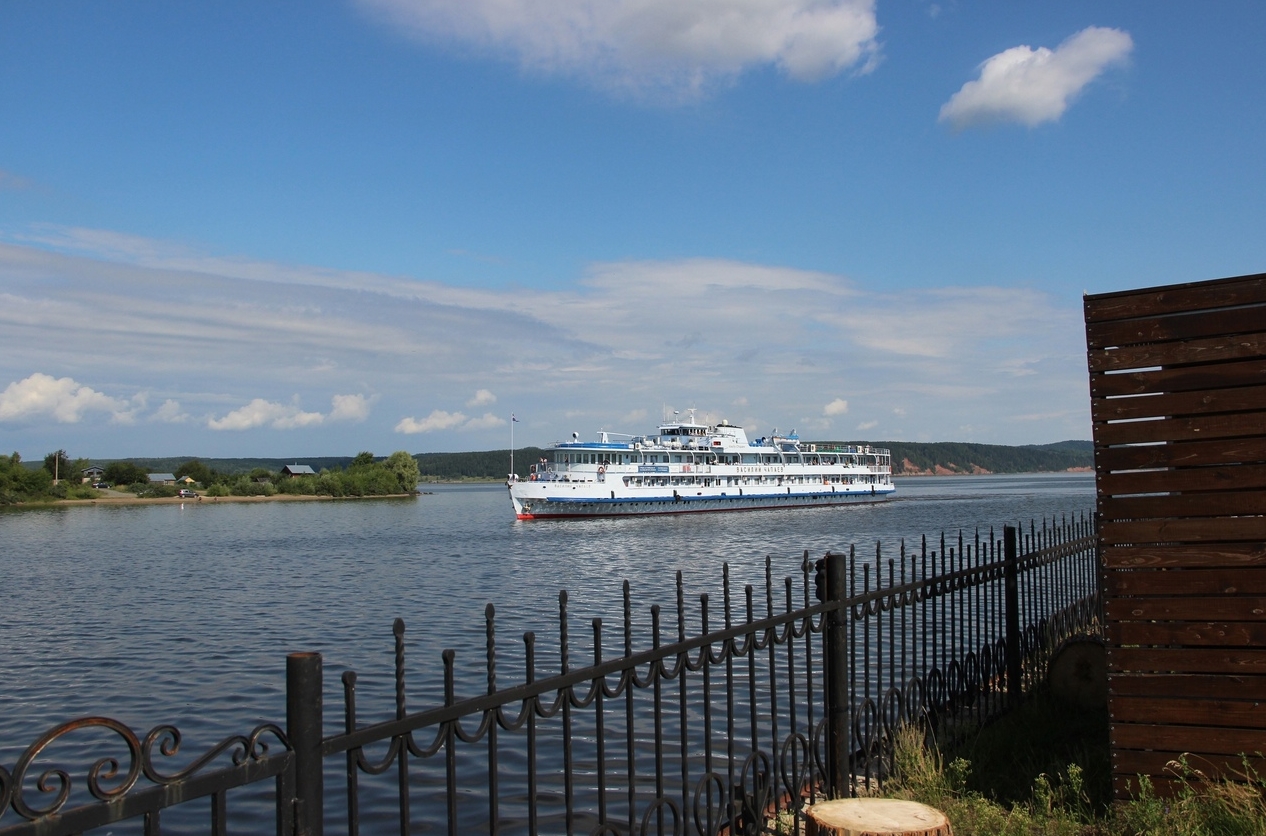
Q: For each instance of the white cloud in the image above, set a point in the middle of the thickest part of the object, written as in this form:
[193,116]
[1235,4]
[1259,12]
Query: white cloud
[170,413]
[868,425]
[62,399]
[487,421]
[681,47]
[437,420]
[440,420]
[839,406]
[1032,86]
[259,413]
[482,398]
[349,408]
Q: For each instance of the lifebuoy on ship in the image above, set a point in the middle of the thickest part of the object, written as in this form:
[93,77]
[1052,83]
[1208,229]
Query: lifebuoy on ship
[602,473]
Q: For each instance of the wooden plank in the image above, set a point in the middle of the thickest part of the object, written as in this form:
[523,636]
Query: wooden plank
[1194,608]
[1191,530]
[1187,582]
[1188,633]
[1183,454]
[1182,379]
[1214,767]
[1200,556]
[1179,429]
[1217,504]
[1126,786]
[1185,352]
[1231,477]
[1187,660]
[1180,404]
[1246,715]
[1186,738]
[1154,301]
[1177,326]
[1189,685]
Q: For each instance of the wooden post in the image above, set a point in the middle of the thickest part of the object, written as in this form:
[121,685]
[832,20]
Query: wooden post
[303,728]
[838,722]
[1011,583]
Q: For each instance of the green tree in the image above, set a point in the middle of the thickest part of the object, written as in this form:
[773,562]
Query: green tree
[124,473]
[405,468]
[199,471]
[363,459]
[58,465]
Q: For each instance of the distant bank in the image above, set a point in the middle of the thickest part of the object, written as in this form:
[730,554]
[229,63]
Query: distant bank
[909,458]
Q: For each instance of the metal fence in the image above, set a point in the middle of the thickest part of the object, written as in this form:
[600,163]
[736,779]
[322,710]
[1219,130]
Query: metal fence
[787,693]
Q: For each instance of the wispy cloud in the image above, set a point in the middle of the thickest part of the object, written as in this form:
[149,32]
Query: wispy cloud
[1032,86]
[236,331]
[13,182]
[681,48]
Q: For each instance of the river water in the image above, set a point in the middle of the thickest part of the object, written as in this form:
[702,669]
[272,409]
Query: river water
[184,614]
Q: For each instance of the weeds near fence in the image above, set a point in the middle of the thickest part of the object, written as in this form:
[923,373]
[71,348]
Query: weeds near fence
[1070,799]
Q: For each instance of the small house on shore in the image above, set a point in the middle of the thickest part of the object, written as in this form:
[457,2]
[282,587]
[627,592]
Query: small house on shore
[92,474]
[162,478]
[293,470]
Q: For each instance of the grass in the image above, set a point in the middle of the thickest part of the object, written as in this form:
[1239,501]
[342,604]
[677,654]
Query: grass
[1043,770]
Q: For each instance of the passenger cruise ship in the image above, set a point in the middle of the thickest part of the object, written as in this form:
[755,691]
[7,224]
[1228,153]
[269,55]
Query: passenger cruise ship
[692,468]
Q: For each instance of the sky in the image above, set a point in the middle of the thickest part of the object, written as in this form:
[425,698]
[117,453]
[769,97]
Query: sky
[312,228]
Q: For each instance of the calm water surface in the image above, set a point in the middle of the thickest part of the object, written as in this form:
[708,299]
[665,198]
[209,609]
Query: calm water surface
[164,613]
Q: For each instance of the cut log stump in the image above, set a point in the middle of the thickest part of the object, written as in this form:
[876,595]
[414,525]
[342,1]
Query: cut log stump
[875,817]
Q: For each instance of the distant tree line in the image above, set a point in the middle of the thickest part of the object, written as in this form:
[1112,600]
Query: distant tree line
[491,464]
[364,475]
[59,478]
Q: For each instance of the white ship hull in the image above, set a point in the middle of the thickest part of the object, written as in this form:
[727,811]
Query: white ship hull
[690,469]
[560,503]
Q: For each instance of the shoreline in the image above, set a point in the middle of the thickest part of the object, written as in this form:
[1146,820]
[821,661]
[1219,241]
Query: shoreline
[128,499]
[202,500]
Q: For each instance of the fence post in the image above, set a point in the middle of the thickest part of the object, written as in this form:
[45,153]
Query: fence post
[303,727]
[1011,592]
[837,701]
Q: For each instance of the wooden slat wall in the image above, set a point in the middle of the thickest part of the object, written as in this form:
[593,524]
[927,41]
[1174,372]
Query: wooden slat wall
[1178,400]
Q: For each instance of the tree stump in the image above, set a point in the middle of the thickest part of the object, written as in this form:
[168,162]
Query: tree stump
[875,817]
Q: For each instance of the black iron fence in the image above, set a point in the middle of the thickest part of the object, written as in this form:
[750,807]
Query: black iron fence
[786,693]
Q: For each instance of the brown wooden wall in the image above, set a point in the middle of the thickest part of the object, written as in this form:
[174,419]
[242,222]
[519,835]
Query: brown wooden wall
[1178,400]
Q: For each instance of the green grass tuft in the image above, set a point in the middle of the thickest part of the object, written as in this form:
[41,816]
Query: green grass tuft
[1043,770]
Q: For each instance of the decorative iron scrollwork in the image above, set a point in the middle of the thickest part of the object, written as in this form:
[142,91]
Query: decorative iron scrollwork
[106,780]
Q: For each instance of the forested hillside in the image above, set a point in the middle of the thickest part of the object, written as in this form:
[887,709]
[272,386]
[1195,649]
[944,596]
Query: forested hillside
[492,464]
[948,457]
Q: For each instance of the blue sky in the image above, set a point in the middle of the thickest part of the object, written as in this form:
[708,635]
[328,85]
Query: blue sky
[287,229]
